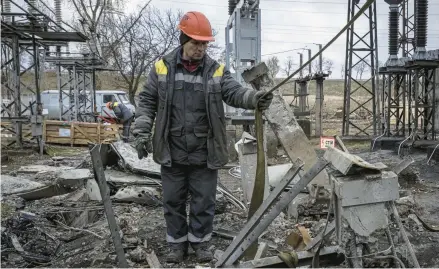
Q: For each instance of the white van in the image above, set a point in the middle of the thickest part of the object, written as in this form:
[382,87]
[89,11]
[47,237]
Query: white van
[50,100]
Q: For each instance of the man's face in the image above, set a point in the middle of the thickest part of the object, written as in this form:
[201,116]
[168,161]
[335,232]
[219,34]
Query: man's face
[195,50]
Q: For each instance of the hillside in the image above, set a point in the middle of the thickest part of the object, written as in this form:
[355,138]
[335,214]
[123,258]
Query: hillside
[113,81]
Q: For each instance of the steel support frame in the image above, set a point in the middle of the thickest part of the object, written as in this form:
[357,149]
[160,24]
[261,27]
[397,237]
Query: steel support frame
[75,83]
[421,101]
[394,104]
[407,42]
[13,84]
[363,51]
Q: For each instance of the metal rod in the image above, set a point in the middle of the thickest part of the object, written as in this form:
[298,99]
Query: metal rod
[359,13]
[267,212]
[99,174]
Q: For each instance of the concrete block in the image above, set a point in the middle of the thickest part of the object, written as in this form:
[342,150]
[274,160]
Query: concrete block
[357,190]
[365,220]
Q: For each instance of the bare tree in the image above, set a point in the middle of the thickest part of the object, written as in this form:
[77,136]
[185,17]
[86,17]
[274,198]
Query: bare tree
[360,68]
[90,14]
[133,46]
[288,66]
[327,65]
[273,66]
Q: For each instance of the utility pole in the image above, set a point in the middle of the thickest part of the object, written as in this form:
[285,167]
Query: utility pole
[320,57]
[319,78]
[309,57]
[301,62]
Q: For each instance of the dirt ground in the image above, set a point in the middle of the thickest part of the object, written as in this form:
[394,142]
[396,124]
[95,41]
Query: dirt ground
[49,242]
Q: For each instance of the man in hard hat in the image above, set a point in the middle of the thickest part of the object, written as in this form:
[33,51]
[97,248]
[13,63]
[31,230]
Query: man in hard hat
[124,115]
[184,94]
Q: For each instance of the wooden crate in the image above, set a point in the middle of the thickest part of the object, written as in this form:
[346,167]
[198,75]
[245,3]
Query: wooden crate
[79,133]
[7,133]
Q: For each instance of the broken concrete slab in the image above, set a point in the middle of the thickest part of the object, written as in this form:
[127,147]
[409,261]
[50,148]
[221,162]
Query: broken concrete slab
[73,178]
[10,184]
[75,174]
[138,194]
[130,160]
[46,192]
[348,164]
[284,124]
[129,178]
[39,168]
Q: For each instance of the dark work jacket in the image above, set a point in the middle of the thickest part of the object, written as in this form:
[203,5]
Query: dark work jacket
[189,125]
[155,102]
[122,112]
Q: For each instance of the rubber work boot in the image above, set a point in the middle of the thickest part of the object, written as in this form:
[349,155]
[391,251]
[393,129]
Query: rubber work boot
[202,251]
[177,252]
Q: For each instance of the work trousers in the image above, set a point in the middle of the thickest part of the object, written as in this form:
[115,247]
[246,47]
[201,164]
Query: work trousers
[126,129]
[200,182]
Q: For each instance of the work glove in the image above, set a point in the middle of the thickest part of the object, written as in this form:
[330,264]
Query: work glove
[264,102]
[143,146]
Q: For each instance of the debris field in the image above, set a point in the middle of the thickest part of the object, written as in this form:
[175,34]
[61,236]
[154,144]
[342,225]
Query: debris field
[52,214]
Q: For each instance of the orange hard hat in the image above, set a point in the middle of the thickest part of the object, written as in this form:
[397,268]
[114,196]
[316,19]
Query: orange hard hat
[195,25]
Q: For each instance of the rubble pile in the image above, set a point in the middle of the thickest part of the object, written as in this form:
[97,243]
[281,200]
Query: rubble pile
[53,216]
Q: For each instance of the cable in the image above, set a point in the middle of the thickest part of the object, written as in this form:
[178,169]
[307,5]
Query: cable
[391,257]
[281,52]
[432,154]
[354,18]
[235,172]
[280,10]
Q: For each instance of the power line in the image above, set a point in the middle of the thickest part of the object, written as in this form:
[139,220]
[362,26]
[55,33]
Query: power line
[279,10]
[279,52]
[325,2]
[306,26]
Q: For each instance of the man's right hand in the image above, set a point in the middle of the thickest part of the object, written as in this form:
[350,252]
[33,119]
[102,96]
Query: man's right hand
[143,146]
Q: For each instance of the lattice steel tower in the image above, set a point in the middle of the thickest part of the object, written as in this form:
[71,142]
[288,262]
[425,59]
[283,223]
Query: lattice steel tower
[360,108]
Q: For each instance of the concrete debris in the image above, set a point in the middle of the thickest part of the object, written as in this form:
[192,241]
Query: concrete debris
[138,254]
[407,200]
[153,261]
[130,160]
[75,174]
[120,177]
[138,194]
[10,185]
[37,168]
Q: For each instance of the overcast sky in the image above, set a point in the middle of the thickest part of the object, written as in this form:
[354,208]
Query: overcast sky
[288,25]
[295,24]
